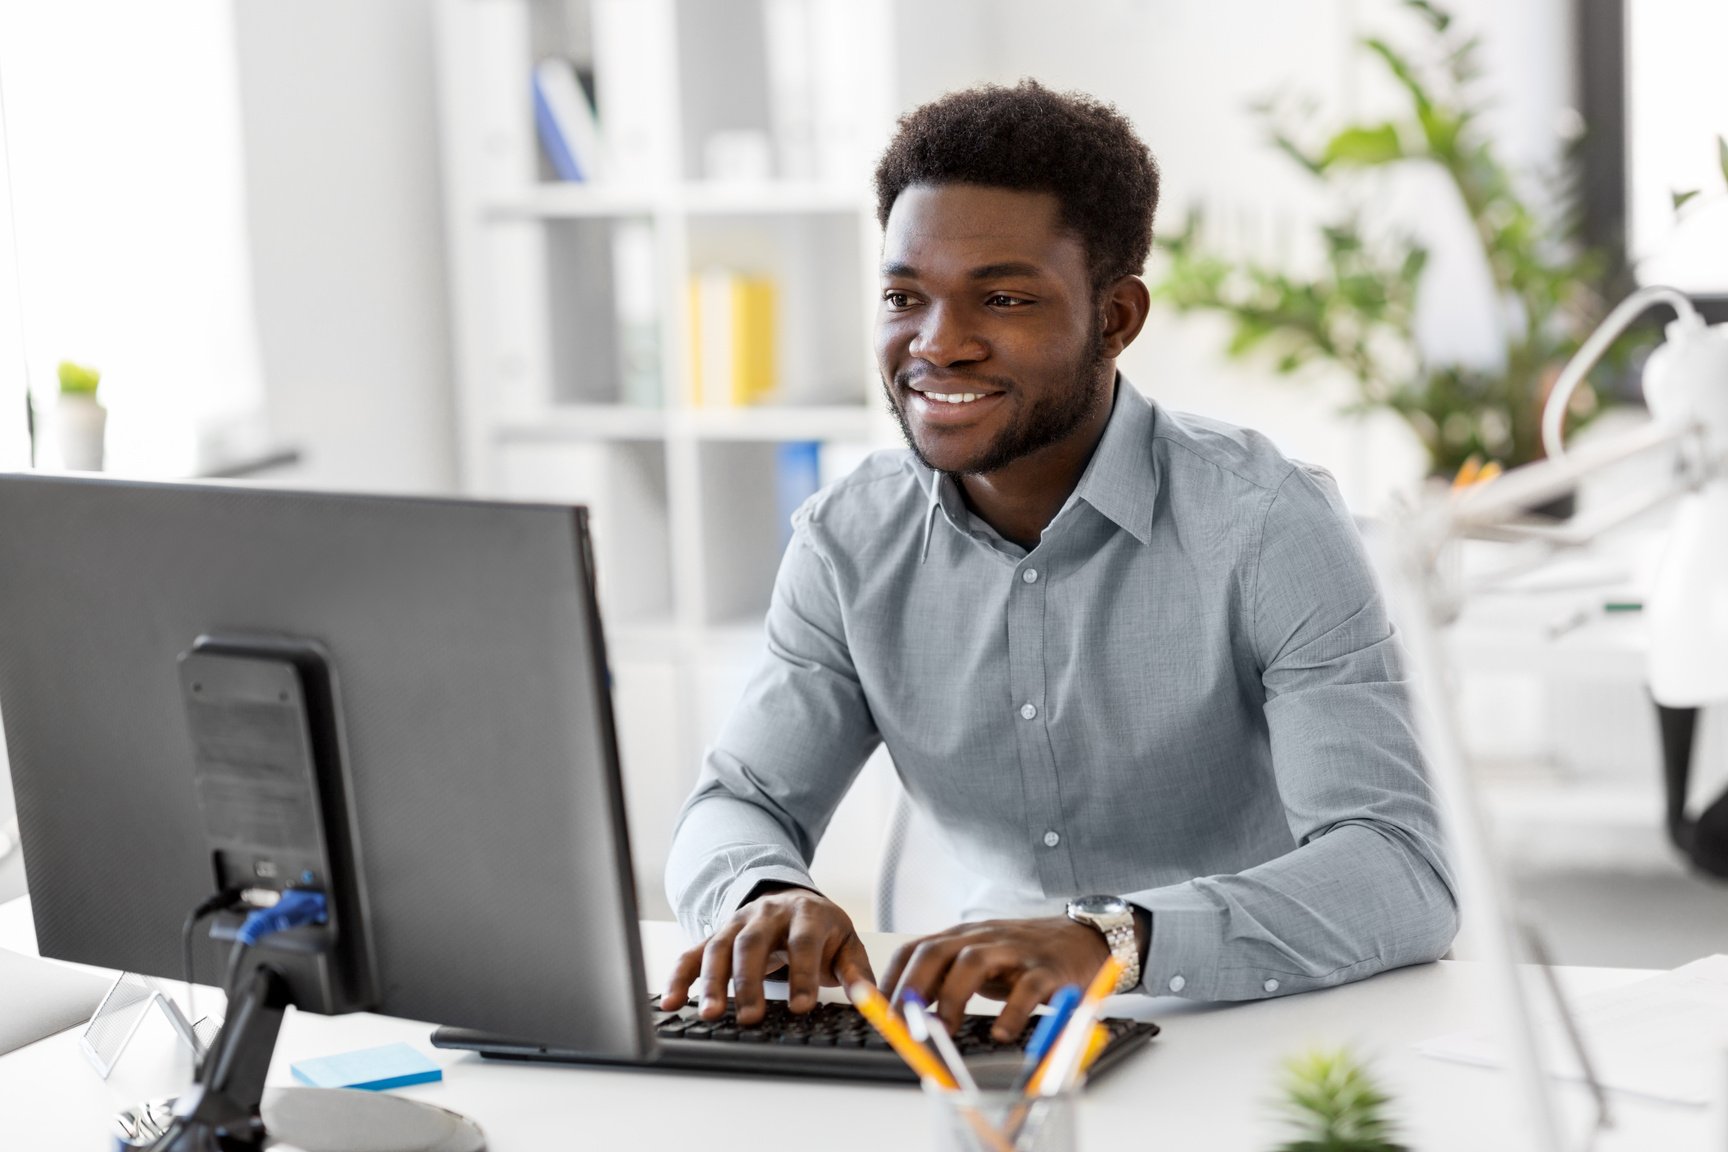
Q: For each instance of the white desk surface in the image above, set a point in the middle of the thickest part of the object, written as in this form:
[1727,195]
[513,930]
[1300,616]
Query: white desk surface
[1207,1084]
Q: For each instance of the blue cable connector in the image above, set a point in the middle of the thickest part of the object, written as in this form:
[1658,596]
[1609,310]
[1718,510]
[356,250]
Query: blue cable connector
[298,906]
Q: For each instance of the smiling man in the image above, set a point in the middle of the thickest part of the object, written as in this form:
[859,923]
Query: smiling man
[1133,663]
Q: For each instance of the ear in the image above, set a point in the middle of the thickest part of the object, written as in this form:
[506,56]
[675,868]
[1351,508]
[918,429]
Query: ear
[1122,313]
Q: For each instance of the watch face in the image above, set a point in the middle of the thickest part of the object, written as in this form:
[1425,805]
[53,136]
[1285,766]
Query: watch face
[1100,905]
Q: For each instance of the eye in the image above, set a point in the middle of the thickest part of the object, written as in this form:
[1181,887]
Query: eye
[1003,300]
[897,300]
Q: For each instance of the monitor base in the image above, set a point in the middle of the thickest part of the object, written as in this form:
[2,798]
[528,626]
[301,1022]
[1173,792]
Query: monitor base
[332,1120]
[348,1120]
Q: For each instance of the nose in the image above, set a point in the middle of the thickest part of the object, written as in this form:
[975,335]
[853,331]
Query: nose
[944,338]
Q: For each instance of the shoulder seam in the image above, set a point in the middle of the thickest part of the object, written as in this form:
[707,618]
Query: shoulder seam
[1290,465]
[1260,546]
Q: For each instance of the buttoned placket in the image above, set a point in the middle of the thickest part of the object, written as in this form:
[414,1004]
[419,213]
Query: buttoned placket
[1026,623]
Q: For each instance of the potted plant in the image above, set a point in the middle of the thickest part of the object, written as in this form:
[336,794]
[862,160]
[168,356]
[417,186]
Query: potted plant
[1335,1106]
[1357,311]
[81,422]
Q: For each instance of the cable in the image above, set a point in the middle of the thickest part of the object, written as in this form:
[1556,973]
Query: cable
[217,902]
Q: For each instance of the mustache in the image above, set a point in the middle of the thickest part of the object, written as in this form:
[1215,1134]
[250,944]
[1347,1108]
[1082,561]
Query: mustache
[907,378]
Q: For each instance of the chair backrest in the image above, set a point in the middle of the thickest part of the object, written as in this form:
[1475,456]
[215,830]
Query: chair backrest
[920,887]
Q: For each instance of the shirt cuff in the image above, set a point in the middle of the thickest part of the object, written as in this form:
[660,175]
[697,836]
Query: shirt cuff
[1182,959]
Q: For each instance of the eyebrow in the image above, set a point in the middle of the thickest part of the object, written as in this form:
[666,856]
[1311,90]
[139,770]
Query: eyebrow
[983,272]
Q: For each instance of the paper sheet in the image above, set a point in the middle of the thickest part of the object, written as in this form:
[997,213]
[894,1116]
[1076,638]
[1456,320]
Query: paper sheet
[1662,1038]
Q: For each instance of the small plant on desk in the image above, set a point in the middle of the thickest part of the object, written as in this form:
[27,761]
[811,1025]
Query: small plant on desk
[1336,1106]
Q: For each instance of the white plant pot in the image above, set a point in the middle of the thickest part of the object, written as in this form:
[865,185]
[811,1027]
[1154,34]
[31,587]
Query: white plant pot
[81,424]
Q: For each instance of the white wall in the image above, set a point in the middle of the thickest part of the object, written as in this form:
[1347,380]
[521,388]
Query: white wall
[14,439]
[343,198]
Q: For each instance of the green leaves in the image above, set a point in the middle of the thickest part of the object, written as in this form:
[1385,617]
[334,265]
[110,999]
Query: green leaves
[1335,1106]
[1722,156]
[1681,197]
[1355,311]
[77,380]
[1363,145]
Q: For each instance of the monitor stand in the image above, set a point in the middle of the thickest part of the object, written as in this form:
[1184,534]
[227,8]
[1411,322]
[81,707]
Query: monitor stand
[228,1111]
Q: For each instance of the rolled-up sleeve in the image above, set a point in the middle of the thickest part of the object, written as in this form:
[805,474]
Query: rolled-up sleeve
[786,755]
[1368,886]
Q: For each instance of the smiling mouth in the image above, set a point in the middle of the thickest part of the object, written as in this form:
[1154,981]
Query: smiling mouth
[955,398]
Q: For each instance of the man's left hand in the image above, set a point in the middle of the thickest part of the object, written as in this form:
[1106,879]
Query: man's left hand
[1021,962]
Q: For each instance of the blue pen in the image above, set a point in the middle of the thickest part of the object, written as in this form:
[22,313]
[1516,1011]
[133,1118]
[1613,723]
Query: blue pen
[1050,1026]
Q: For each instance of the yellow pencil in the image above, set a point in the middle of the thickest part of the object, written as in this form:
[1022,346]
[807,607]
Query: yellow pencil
[1095,1046]
[874,1007]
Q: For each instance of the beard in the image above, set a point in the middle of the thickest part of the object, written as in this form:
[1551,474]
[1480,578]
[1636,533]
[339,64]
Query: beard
[1047,421]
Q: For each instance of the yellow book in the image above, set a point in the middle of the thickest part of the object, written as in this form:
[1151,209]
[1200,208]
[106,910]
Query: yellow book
[732,333]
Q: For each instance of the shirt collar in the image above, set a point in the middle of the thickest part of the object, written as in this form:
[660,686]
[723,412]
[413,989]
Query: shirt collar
[1120,480]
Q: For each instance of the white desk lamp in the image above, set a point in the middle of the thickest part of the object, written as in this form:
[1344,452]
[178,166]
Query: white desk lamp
[1686,387]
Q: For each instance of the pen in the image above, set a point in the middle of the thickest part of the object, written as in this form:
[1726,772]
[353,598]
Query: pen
[1065,1054]
[924,1026]
[1050,1026]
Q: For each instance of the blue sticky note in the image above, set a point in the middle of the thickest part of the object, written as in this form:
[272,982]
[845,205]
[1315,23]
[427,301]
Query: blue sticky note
[374,1069]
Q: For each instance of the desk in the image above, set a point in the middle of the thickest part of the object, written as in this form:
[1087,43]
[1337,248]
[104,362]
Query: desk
[1203,1086]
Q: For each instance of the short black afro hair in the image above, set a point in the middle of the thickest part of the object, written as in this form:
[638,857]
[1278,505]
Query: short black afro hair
[1032,139]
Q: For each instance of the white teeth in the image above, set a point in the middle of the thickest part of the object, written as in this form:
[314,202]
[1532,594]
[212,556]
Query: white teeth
[953,397]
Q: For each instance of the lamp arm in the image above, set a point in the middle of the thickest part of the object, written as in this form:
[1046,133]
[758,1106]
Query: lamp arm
[1513,494]
[1583,532]
[1554,411]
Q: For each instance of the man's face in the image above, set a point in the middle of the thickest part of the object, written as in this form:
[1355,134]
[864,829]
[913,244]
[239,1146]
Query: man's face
[985,295]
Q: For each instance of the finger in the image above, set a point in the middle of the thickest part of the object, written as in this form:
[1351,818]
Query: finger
[683,972]
[897,965]
[927,966]
[1032,988]
[851,963]
[805,944]
[750,951]
[971,966]
[716,971]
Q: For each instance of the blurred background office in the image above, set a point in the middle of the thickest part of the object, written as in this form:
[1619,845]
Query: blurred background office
[622,252]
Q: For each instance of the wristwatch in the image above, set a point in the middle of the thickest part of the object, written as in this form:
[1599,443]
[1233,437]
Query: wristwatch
[1112,916]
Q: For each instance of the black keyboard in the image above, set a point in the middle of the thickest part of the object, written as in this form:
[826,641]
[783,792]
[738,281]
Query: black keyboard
[825,1026]
[832,1041]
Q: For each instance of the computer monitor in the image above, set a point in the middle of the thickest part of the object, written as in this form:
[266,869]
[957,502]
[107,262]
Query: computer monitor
[491,874]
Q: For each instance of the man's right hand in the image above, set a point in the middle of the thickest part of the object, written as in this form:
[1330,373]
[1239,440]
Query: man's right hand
[805,929]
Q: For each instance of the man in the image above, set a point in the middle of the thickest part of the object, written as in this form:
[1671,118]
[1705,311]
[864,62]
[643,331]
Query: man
[1132,663]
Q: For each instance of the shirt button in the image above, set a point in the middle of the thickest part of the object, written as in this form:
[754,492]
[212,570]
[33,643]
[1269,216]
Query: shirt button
[1270,985]
[1028,711]
[1030,575]
[1177,983]
[1051,839]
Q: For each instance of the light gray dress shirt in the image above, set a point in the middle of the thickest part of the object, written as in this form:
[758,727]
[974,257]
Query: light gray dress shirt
[1187,694]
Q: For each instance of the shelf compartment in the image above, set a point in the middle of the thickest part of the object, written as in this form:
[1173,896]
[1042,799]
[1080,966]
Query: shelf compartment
[623,485]
[821,349]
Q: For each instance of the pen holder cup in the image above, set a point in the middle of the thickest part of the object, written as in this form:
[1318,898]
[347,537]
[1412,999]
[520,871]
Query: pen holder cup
[1001,1122]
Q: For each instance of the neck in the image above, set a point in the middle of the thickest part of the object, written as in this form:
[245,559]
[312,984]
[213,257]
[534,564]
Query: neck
[1020,499]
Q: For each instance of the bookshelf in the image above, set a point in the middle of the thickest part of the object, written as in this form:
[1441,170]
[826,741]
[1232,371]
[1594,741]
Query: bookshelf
[738,135]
